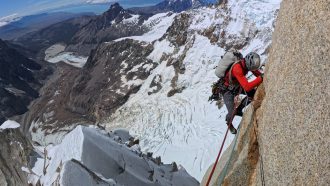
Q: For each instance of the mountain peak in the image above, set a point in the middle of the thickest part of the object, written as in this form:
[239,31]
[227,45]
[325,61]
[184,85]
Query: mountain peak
[115,6]
[114,11]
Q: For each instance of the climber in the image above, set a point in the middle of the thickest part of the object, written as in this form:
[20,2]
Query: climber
[233,78]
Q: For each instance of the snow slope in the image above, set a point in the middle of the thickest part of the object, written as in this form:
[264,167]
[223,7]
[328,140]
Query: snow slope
[55,54]
[158,25]
[9,124]
[90,156]
[185,127]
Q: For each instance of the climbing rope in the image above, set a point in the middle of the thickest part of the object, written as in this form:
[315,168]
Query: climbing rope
[224,139]
[225,170]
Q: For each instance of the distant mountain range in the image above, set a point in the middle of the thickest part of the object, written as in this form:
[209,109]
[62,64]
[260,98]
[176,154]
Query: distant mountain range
[173,5]
[36,22]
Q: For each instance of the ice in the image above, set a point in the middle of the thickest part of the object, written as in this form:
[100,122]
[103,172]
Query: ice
[9,124]
[158,23]
[133,19]
[69,58]
[90,156]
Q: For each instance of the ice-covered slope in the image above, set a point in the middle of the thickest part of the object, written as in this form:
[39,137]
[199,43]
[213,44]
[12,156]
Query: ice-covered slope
[170,112]
[90,156]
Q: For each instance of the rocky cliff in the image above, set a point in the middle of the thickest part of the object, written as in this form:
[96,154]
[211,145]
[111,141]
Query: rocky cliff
[107,80]
[284,136]
[14,152]
[18,82]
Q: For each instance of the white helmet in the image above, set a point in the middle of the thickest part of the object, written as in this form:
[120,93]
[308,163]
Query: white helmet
[252,61]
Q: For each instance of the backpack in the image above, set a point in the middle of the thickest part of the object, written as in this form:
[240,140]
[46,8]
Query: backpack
[226,61]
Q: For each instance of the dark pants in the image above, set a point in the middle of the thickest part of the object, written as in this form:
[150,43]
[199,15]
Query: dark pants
[229,97]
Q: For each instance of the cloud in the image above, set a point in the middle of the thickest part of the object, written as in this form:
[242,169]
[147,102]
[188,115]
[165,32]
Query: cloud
[7,19]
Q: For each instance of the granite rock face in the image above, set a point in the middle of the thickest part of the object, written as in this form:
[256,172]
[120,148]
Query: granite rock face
[295,112]
[239,164]
[290,114]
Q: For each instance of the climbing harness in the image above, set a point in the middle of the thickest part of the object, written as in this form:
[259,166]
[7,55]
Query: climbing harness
[223,142]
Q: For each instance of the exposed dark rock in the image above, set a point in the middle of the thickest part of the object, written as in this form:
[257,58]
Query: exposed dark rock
[14,153]
[174,167]
[156,82]
[175,91]
[106,27]
[18,82]
[94,92]
[177,33]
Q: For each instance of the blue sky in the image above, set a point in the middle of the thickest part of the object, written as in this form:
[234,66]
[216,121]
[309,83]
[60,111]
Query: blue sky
[28,7]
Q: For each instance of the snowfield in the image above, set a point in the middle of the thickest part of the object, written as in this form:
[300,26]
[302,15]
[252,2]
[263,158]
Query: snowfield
[90,156]
[158,23]
[185,127]
[55,54]
[9,124]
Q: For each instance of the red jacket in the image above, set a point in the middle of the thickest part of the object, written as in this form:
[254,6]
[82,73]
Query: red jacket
[239,72]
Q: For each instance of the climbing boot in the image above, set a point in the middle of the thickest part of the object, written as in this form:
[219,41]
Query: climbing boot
[232,129]
[239,113]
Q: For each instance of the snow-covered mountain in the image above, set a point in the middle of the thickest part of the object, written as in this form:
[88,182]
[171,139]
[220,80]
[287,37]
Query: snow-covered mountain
[157,84]
[170,112]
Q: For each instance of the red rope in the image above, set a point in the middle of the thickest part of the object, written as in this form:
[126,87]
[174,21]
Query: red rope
[224,139]
[216,161]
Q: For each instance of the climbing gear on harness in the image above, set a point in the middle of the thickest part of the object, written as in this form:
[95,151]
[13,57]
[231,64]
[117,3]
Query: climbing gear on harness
[215,92]
[252,61]
[219,88]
